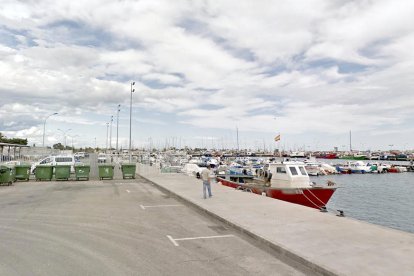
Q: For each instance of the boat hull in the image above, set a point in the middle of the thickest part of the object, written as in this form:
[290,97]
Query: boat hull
[314,197]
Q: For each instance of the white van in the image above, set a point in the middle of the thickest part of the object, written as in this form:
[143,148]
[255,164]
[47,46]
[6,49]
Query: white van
[56,160]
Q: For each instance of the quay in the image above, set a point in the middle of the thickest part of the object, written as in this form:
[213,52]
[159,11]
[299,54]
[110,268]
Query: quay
[324,243]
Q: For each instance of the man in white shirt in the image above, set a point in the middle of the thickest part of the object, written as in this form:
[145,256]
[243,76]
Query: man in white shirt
[205,176]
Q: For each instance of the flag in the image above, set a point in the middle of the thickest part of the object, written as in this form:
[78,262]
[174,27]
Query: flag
[277,138]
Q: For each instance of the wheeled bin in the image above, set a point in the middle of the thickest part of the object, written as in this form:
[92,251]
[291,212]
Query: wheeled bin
[44,172]
[106,171]
[62,172]
[128,170]
[22,172]
[82,171]
[7,174]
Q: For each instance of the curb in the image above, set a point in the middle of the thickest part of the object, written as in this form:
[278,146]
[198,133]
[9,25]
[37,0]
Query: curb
[282,252]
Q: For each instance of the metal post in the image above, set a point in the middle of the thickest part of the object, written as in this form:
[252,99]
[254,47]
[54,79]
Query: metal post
[117,124]
[64,133]
[44,127]
[110,134]
[107,128]
[130,123]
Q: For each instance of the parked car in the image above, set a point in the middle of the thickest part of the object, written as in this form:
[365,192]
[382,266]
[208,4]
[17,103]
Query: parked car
[101,158]
[56,160]
[80,154]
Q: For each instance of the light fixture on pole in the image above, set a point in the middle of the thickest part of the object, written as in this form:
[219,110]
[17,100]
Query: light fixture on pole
[110,134]
[117,123]
[44,127]
[130,122]
[64,134]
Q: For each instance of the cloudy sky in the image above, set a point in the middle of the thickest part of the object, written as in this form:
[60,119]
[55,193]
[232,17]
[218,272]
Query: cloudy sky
[310,70]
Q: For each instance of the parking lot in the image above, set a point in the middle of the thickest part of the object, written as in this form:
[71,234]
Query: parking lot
[118,227]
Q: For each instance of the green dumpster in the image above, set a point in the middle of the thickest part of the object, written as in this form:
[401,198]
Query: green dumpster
[7,174]
[62,172]
[82,171]
[44,172]
[106,171]
[128,170]
[23,172]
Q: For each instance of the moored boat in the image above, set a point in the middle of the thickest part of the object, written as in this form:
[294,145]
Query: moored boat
[287,181]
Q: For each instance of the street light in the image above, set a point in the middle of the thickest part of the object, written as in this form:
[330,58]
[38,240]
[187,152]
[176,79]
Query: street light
[72,140]
[130,124]
[44,126]
[117,123]
[64,133]
[110,134]
[107,127]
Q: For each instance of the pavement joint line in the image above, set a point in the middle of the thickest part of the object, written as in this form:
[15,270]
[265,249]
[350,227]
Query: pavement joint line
[174,241]
[143,207]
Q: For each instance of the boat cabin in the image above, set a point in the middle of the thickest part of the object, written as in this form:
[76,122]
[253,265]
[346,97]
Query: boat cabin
[289,175]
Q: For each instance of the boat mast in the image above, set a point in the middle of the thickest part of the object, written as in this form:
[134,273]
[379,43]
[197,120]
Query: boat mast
[350,141]
[237,131]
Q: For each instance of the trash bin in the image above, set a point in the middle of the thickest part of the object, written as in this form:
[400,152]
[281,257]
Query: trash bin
[82,171]
[7,174]
[62,172]
[128,170]
[23,172]
[44,172]
[106,171]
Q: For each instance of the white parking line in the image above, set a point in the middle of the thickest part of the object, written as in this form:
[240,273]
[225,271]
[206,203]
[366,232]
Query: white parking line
[157,206]
[174,241]
[128,191]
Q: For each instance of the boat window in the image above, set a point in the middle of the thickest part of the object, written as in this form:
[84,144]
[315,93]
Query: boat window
[302,170]
[281,170]
[293,171]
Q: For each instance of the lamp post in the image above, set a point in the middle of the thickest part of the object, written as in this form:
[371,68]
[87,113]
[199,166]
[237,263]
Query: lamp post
[72,140]
[44,126]
[107,128]
[64,134]
[117,123]
[110,134]
[130,122]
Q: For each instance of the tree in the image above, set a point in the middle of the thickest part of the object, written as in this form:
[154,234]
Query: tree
[58,146]
[19,141]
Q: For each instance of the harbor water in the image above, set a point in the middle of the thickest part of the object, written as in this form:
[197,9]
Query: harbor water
[383,199]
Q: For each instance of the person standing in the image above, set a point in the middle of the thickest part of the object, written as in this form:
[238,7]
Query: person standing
[205,176]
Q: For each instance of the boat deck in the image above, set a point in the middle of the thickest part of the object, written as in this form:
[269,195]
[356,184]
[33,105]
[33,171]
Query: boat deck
[327,244]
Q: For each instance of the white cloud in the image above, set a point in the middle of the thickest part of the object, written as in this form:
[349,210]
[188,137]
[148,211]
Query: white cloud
[325,66]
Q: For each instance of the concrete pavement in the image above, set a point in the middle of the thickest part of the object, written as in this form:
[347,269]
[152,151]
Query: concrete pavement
[323,242]
[119,227]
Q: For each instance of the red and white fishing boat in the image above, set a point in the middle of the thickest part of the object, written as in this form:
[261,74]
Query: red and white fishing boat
[287,181]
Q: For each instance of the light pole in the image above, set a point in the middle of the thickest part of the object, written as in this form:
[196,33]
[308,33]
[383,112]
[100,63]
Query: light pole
[110,134]
[64,134]
[44,127]
[130,122]
[72,140]
[107,128]
[117,123]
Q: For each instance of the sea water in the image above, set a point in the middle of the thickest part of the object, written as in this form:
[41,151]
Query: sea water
[383,199]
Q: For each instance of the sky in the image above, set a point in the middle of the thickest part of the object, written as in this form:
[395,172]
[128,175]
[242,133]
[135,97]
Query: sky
[205,71]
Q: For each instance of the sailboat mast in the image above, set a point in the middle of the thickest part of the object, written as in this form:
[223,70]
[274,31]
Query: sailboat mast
[350,141]
[237,131]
